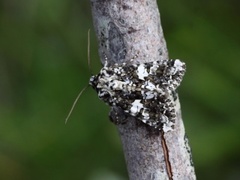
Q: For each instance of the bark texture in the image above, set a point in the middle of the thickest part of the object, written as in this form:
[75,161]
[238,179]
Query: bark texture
[125,29]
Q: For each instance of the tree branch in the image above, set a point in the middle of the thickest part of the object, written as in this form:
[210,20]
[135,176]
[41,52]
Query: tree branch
[126,28]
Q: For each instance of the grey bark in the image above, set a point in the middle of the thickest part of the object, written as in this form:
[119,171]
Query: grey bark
[126,28]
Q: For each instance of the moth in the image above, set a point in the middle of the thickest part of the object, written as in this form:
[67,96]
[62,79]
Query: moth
[146,90]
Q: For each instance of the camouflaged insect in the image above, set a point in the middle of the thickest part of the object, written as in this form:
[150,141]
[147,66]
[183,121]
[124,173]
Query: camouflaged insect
[145,91]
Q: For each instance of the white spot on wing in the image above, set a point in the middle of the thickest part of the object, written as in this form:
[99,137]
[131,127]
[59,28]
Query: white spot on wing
[136,107]
[150,86]
[167,127]
[149,95]
[154,68]
[142,72]
[178,65]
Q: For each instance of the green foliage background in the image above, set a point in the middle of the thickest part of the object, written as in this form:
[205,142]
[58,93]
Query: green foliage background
[43,66]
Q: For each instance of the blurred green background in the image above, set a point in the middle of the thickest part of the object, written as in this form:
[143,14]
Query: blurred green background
[43,66]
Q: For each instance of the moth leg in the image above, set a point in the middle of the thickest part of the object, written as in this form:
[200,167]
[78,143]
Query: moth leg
[117,115]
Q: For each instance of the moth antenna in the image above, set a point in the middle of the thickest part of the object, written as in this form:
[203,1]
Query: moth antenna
[76,100]
[89,60]
[90,70]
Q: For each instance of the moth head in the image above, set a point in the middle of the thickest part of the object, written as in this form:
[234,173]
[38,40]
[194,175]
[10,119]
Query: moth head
[93,81]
